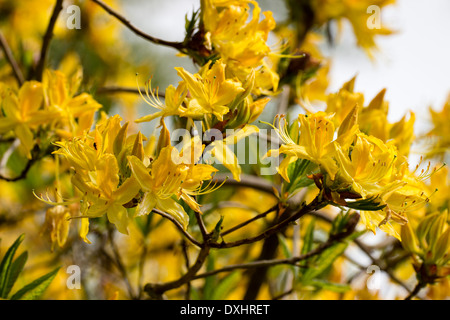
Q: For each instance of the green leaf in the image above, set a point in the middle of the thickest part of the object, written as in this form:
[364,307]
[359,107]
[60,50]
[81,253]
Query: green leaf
[211,281]
[35,289]
[335,287]
[309,237]
[284,246]
[16,269]
[226,286]
[369,204]
[297,175]
[5,266]
[325,260]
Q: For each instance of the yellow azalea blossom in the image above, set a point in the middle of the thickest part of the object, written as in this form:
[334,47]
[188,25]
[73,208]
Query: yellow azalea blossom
[440,132]
[173,100]
[373,118]
[225,20]
[103,195]
[209,90]
[429,242]
[356,13]
[61,100]
[57,222]
[220,151]
[172,175]
[342,102]
[366,164]
[160,185]
[315,143]
[23,113]
[100,172]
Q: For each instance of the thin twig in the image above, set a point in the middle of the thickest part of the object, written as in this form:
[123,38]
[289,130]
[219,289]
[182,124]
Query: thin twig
[119,263]
[179,226]
[46,41]
[314,205]
[415,291]
[10,58]
[176,45]
[119,89]
[184,246]
[243,224]
[273,262]
[250,181]
[283,103]
[23,173]
[141,266]
[364,248]
[156,290]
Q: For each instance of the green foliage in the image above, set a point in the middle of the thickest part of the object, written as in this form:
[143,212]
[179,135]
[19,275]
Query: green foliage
[10,270]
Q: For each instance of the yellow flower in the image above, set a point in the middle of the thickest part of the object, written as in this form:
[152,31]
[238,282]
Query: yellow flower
[240,40]
[356,13]
[173,100]
[61,101]
[313,142]
[366,165]
[373,118]
[209,90]
[23,113]
[222,154]
[429,242]
[100,172]
[440,131]
[104,195]
[160,185]
[57,222]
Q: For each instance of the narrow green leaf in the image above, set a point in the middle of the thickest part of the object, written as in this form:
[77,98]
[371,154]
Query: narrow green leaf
[5,266]
[335,287]
[16,269]
[226,286]
[284,246]
[211,281]
[309,237]
[35,289]
[325,260]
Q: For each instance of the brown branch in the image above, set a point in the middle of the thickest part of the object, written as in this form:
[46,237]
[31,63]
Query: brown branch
[179,226]
[364,248]
[415,291]
[156,290]
[316,204]
[176,45]
[273,262]
[184,246]
[248,181]
[243,224]
[118,261]
[37,74]
[119,89]
[24,172]
[10,58]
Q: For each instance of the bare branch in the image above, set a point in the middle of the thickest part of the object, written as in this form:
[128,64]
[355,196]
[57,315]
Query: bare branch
[119,89]
[176,45]
[248,181]
[10,58]
[179,226]
[316,204]
[243,224]
[46,41]
[273,262]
